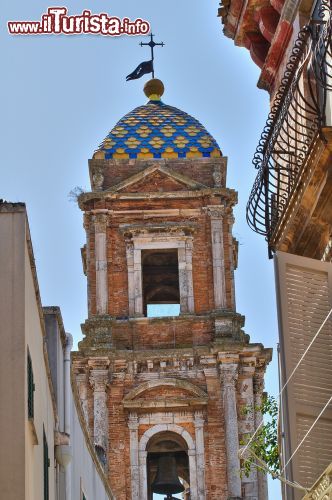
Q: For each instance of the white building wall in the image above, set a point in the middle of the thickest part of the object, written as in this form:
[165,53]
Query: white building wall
[22,330]
[44,416]
[85,470]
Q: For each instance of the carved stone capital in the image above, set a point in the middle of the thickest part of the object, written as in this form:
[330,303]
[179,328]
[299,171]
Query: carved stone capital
[198,419]
[81,379]
[229,374]
[100,221]
[258,382]
[87,221]
[133,422]
[99,380]
[129,245]
[230,218]
[215,211]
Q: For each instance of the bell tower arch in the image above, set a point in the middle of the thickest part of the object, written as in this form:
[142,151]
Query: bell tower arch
[158,223]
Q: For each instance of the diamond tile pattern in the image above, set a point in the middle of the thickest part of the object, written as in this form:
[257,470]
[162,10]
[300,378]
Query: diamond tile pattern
[157,130]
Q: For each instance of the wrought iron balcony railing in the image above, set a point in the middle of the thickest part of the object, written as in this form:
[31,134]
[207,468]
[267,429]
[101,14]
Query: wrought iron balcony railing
[300,112]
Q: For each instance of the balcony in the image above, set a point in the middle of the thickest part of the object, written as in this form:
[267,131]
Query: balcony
[290,202]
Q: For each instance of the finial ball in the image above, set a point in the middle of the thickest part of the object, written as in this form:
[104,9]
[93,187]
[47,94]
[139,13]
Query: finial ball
[154,87]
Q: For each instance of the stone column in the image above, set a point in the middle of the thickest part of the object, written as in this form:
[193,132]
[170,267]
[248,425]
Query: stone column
[230,219]
[248,424]
[193,475]
[200,455]
[87,226]
[82,385]
[186,276]
[100,221]
[229,374]
[138,289]
[134,460]
[99,382]
[258,396]
[189,275]
[216,214]
[131,283]
[143,483]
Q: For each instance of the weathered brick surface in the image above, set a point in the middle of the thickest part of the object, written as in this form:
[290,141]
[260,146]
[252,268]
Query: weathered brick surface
[215,460]
[118,457]
[116,171]
[117,260]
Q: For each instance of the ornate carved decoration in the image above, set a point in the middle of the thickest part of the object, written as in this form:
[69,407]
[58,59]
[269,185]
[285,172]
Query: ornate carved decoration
[229,373]
[100,221]
[215,211]
[217,176]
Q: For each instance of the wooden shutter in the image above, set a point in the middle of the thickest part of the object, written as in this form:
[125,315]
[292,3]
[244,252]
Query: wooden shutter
[304,296]
[46,466]
[31,388]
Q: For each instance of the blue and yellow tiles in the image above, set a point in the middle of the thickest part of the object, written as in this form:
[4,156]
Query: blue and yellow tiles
[157,130]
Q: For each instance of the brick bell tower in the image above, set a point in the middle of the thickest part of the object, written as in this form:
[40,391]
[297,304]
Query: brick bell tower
[158,223]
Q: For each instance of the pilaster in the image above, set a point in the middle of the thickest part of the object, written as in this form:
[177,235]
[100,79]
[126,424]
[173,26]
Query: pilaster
[99,379]
[100,223]
[87,227]
[229,375]
[200,454]
[231,220]
[134,458]
[82,385]
[216,214]
[246,392]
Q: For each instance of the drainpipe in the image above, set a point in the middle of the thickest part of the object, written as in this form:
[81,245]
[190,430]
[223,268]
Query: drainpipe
[67,398]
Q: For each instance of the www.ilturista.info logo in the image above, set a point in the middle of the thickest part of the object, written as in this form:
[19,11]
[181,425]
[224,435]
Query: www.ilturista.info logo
[57,22]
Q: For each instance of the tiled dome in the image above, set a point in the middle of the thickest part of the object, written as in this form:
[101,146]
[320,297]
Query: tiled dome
[157,130]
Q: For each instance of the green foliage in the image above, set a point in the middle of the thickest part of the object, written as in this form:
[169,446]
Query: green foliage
[265,443]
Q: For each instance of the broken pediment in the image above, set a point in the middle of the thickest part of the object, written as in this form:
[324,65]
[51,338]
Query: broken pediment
[165,393]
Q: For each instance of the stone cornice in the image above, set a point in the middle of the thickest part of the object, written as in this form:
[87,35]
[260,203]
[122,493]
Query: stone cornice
[132,230]
[167,402]
[229,195]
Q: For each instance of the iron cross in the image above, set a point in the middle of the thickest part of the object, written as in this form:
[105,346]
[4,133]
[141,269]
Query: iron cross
[152,44]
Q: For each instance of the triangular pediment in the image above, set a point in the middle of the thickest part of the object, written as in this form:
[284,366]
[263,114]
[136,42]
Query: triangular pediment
[156,179]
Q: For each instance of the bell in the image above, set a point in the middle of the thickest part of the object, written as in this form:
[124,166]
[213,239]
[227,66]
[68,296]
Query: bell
[167,480]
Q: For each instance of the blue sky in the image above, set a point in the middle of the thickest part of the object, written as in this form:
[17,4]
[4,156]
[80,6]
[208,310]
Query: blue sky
[60,95]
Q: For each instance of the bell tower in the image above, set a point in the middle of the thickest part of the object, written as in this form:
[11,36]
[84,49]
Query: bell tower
[165,368]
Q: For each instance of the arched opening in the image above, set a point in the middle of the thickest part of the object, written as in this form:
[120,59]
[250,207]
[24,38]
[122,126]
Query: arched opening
[160,270]
[174,447]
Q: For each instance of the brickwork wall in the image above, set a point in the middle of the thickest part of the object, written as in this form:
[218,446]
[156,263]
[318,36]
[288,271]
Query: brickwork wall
[117,260]
[162,333]
[119,444]
[215,453]
[116,171]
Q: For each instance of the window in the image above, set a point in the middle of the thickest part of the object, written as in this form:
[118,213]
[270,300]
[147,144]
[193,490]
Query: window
[160,273]
[162,310]
[82,493]
[31,388]
[46,466]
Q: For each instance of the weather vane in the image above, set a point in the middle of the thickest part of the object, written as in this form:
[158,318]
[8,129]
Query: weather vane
[145,66]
